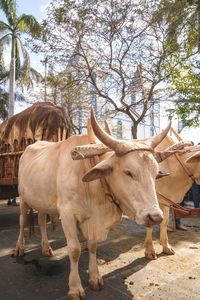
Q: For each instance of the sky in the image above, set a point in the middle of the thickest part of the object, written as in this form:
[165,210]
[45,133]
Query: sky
[35,8]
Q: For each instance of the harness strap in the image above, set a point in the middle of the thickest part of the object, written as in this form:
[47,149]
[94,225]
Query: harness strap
[186,169]
[171,203]
[94,161]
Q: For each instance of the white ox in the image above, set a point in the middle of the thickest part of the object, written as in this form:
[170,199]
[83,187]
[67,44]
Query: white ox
[184,167]
[51,182]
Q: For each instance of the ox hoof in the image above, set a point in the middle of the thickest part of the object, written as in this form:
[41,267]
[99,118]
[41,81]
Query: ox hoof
[18,251]
[151,255]
[168,251]
[76,296]
[47,252]
[96,284]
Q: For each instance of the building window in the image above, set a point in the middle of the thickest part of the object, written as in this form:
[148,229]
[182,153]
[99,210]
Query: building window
[133,99]
[119,129]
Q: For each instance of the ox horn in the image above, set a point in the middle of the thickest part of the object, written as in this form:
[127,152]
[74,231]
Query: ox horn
[177,135]
[155,141]
[92,138]
[104,137]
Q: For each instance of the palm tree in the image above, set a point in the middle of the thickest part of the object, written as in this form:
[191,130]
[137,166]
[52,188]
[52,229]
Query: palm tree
[11,35]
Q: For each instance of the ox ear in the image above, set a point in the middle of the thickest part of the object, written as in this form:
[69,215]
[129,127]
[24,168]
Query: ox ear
[194,158]
[102,169]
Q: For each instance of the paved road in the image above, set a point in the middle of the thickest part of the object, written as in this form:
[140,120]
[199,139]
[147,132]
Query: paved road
[127,274]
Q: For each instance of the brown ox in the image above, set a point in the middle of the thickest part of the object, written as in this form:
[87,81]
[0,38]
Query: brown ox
[180,166]
[51,182]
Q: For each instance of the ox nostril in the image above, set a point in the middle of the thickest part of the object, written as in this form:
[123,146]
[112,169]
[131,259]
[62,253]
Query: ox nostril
[153,219]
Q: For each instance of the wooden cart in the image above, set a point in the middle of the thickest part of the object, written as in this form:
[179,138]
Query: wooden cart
[41,121]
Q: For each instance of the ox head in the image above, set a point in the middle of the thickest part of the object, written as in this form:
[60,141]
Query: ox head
[130,173]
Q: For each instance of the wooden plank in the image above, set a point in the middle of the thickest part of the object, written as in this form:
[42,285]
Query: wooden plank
[11,153]
[8,181]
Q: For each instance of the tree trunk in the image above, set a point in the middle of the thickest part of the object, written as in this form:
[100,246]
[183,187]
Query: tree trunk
[12,81]
[11,88]
[134,131]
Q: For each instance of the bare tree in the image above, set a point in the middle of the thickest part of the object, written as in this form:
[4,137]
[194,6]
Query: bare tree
[119,49]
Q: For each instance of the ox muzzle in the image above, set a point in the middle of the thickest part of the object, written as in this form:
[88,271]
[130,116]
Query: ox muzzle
[153,219]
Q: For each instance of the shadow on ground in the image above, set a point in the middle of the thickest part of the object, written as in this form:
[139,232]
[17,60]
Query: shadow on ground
[34,277]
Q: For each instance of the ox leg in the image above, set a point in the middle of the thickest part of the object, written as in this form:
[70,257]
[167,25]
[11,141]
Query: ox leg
[149,248]
[95,279]
[46,249]
[76,291]
[163,232]
[19,249]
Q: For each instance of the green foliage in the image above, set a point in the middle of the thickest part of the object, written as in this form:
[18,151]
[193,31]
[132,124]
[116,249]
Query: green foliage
[3,104]
[187,84]
[9,9]
[28,24]
[182,19]
[189,113]
[3,26]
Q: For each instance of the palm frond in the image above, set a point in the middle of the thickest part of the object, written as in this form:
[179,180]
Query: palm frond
[4,77]
[20,97]
[9,9]
[4,26]
[35,75]
[3,104]
[25,75]
[5,40]
[25,54]
[32,77]
[4,98]
[4,73]
[29,25]
[23,67]
[18,58]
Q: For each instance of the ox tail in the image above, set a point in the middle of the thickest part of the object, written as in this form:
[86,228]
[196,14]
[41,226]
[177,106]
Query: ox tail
[31,223]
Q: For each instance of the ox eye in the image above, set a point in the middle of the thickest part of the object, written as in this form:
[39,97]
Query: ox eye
[129,174]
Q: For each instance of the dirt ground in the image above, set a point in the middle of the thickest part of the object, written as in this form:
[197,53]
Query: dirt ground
[127,273]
